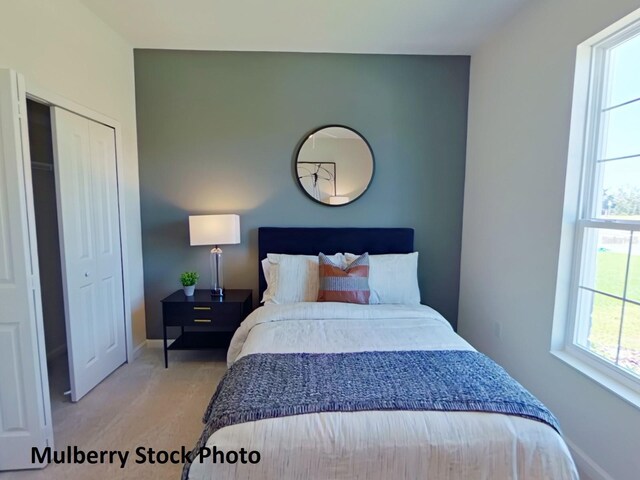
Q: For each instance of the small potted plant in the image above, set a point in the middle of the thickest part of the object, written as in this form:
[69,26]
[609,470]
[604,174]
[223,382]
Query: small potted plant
[189,280]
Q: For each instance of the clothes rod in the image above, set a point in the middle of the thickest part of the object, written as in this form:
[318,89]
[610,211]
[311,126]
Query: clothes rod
[42,166]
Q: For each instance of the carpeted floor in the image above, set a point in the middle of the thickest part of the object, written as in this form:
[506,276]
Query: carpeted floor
[140,404]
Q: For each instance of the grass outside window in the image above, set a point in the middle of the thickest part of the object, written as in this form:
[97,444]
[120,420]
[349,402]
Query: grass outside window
[605,331]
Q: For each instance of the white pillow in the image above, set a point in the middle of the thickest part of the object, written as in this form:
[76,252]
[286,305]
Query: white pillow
[266,270]
[393,278]
[293,278]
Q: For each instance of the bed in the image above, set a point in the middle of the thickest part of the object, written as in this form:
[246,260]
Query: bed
[360,441]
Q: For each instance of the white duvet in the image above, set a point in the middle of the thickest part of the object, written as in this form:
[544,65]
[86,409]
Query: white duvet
[377,445]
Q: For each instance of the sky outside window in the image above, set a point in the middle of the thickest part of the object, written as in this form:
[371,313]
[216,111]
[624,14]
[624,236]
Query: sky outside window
[620,188]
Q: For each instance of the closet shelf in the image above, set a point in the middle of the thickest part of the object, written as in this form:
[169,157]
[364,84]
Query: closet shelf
[42,166]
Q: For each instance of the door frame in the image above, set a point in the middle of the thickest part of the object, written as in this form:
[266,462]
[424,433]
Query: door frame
[42,95]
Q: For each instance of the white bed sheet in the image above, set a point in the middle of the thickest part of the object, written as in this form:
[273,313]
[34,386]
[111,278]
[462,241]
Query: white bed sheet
[377,445]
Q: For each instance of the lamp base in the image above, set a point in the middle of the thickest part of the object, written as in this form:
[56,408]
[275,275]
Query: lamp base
[217,292]
[217,289]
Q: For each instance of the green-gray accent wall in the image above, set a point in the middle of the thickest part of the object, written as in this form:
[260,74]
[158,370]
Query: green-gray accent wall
[217,133]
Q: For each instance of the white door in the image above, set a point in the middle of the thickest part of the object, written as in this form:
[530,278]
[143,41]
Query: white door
[25,413]
[87,190]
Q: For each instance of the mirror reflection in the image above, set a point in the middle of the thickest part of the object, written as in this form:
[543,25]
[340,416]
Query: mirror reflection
[334,165]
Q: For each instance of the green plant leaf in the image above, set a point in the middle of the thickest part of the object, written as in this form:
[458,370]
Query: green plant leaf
[188,279]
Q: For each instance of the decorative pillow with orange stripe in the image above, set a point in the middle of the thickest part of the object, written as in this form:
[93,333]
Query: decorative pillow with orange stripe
[348,285]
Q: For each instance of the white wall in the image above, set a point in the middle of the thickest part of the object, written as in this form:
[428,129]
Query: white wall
[64,48]
[520,105]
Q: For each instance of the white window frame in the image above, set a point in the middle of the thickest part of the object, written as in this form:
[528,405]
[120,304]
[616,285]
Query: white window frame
[590,118]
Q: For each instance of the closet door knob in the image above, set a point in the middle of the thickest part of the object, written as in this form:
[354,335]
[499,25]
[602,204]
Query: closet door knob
[86,274]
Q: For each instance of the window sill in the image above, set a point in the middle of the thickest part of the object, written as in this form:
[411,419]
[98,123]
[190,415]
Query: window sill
[624,392]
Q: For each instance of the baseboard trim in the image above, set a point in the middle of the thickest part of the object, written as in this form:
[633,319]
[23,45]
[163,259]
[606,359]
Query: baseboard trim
[138,349]
[154,343]
[588,468]
[57,352]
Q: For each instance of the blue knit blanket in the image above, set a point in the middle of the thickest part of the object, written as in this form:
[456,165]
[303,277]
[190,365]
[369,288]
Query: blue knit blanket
[262,386]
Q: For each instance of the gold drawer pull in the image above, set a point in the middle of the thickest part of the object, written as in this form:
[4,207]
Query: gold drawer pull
[202,320]
[202,308]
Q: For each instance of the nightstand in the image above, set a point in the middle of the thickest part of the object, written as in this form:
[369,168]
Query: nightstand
[217,318]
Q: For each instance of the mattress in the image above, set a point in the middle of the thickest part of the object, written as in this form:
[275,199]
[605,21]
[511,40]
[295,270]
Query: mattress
[375,444]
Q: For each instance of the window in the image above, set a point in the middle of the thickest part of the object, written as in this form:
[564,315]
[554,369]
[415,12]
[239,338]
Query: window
[604,324]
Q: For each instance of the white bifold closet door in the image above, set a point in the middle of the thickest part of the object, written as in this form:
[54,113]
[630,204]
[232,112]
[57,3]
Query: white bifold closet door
[87,192]
[25,415]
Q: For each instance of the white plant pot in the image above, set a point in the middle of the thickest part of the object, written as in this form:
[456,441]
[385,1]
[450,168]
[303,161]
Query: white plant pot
[188,291]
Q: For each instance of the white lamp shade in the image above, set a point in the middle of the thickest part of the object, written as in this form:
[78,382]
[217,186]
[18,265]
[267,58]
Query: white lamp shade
[338,200]
[214,229]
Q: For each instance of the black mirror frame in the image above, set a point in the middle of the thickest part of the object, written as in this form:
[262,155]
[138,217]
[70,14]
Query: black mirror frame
[297,154]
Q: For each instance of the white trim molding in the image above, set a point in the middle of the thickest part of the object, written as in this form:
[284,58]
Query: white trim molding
[138,349]
[587,467]
[155,343]
[630,395]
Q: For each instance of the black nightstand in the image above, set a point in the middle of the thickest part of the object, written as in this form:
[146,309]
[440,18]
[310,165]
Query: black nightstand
[217,318]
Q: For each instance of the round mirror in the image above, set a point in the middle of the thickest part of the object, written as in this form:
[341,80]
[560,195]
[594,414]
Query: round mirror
[334,165]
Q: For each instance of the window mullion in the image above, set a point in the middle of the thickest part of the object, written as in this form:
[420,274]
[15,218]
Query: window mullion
[629,226]
[623,104]
[620,332]
[624,295]
[613,159]
[610,295]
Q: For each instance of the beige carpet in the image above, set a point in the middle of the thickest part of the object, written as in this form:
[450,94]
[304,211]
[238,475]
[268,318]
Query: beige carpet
[140,404]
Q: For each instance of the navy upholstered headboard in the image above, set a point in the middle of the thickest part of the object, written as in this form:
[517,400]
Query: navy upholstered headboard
[311,241]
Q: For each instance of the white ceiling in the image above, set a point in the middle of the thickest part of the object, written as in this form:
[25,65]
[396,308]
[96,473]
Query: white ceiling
[343,26]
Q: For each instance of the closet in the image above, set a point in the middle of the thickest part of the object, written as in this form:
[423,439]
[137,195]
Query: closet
[74,179]
[46,218]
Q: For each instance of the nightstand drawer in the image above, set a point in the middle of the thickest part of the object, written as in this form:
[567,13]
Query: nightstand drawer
[193,314]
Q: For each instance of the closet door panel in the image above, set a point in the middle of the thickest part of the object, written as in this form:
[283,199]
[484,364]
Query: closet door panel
[108,251]
[90,248]
[74,195]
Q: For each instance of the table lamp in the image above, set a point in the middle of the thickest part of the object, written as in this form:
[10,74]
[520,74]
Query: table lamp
[215,230]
